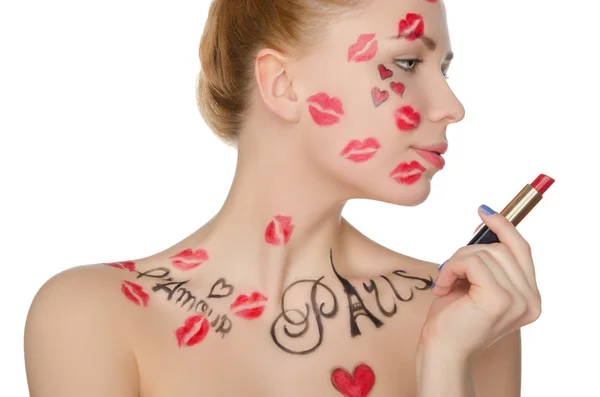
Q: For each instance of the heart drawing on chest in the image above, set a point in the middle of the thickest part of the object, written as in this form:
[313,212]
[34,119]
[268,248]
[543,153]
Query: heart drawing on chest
[220,289]
[359,384]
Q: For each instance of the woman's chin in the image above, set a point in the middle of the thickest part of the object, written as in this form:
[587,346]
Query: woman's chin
[408,195]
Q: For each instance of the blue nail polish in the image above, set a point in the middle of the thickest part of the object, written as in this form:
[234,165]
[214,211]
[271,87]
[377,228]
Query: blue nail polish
[487,210]
[442,265]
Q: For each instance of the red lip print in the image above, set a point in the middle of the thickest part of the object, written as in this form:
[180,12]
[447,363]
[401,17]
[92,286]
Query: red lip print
[285,229]
[250,312]
[355,145]
[406,118]
[384,72]
[407,167]
[326,103]
[189,259]
[379,96]
[398,88]
[411,27]
[360,44]
[182,332]
[135,293]
[128,265]
[359,384]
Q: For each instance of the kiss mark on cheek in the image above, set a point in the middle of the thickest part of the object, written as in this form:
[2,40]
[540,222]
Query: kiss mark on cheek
[360,152]
[406,118]
[403,173]
[379,96]
[398,88]
[279,229]
[384,72]
[359,384]
[189,259]
[431,1]
[127,265]
[185,334]
[367,41]
[254,305]
[135,293]
[327,103]
[411,27]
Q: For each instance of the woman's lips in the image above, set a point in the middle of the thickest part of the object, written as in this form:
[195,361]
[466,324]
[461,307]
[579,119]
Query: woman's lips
[433,158]
[360,44]
[183,332]
[405,168]
[326,103]
[256,298]
[407,118]
[354,146]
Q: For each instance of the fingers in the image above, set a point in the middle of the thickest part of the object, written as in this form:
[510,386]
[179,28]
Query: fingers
[480,268]
[510,236]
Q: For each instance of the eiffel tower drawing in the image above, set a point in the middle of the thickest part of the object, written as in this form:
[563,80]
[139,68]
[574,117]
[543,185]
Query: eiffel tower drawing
[355,302]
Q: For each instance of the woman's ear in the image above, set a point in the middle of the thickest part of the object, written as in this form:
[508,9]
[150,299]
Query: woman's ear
[275,85]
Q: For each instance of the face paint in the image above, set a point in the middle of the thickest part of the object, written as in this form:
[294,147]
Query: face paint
[184,333]
[326,103]
[127,265]
[359,384]
[399,173]
[252,300]
[135,293]
[279,228]
[188,259]
[379,96]
[398,88]
[361,43]
[406,118]
[369,144]
[411,27]
[384,72]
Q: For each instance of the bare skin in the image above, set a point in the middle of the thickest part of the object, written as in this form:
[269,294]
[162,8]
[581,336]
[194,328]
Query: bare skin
[111,329]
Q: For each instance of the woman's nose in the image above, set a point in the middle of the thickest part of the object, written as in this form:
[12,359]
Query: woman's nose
[444,106]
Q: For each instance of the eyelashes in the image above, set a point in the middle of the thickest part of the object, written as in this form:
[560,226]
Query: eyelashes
[415,65]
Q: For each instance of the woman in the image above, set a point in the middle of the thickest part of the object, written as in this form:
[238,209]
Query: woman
[278,295]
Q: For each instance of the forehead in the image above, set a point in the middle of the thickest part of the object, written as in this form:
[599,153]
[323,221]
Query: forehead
[383,17]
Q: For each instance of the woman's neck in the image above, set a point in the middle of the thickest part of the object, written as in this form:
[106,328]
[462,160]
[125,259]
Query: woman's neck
[278,222]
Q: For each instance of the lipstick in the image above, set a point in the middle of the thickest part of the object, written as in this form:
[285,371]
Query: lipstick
[517,209]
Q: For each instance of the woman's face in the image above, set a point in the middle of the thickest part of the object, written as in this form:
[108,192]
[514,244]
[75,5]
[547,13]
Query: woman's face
[374,91]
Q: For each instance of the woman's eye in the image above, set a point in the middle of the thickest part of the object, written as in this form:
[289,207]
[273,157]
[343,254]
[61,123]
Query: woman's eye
[411,65]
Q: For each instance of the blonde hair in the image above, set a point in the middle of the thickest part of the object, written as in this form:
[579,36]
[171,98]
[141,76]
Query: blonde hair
[234,32]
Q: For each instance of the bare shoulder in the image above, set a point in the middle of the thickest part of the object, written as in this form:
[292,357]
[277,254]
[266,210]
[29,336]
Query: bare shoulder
[74,344]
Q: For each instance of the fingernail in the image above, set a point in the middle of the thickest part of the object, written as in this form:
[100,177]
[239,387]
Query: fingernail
[442,265]
[487,210]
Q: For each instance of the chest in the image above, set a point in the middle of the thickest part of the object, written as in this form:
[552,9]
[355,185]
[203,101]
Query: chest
[327,342]
[286,359]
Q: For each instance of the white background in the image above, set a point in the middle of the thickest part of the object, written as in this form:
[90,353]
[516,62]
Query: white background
[104,157]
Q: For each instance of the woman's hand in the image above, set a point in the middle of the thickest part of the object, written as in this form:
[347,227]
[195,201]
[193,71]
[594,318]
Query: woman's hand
[485,291]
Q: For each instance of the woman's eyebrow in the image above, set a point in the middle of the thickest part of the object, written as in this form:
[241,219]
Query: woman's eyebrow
[430,44]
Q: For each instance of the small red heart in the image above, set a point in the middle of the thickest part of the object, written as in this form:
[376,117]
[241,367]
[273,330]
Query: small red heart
[384,72]
[398,88]
[379,96]
[357,385]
